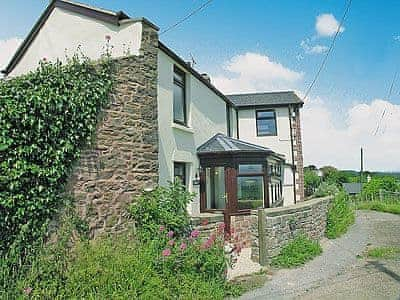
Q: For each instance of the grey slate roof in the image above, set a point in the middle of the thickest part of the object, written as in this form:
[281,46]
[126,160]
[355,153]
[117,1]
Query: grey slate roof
[352,188]
[268,98]
[223,143]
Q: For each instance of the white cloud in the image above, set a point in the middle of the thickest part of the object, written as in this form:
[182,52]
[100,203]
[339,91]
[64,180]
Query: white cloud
[327,142]
[7,50]
[313,49]
[327,25]
[251,72]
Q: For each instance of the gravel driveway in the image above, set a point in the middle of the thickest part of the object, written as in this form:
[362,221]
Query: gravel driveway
[339,273]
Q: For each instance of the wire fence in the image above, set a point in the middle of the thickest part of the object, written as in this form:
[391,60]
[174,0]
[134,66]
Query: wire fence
[380,196]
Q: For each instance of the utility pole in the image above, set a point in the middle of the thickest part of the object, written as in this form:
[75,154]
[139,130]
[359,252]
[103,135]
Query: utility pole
[361,167]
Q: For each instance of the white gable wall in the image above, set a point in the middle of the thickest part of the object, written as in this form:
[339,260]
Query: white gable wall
[206,113]
[280,144]
[65,31]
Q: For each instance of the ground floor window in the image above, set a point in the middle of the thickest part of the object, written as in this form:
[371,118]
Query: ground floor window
[250,186]
[180,172]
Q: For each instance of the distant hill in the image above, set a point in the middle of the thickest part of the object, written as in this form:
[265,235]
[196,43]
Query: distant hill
[357,173]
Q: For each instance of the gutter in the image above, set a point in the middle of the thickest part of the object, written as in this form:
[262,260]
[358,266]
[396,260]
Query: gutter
[291,146]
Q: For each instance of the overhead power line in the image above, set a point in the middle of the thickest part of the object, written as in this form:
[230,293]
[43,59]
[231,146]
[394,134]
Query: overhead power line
[323,63]
[378,125]
[201,7]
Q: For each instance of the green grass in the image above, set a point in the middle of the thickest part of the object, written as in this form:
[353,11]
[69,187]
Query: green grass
[116,267]
[388,207]
[297,252]
[384,252]
[340,216]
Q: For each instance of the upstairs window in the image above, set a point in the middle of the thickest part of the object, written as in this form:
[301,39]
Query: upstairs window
[179,96]
[266,122]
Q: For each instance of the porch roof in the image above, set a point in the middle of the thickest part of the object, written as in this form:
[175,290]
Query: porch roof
[220,143]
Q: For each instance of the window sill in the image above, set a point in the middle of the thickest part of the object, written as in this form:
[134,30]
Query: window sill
[182,127]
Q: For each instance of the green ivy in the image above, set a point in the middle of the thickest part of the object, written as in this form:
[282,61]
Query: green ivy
[46,118]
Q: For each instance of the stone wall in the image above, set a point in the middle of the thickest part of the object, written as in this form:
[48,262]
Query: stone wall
[124,156]
[242,228]
[277,226]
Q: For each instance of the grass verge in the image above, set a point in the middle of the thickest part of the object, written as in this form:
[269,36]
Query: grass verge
[297,252]
[384,252]
[340,216]
[246,283]
[393,208]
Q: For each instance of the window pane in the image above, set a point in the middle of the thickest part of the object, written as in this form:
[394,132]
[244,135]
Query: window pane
[250,192]
[180,172]
[250,169]
[179,104]
[265,114]
[179,77]
[215,188]
[266,127]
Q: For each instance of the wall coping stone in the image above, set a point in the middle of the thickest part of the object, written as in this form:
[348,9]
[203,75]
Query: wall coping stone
[301,206]
[211,217]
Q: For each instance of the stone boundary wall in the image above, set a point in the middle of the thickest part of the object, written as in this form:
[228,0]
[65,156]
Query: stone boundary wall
[278,226]
[207,223]
[123,159]
[242,229]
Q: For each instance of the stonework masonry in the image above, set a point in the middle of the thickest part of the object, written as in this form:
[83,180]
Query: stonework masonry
[298,155]
[123,159]
[275,227]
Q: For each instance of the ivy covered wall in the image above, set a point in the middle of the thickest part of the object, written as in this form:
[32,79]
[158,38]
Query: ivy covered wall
[46,118]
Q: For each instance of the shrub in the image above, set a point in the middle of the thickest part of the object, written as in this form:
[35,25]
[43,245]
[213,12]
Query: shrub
[376,184]
[340,216]
[326,189]
[124,268]
[46,117]
[311,181]
[164,206]
[297,252]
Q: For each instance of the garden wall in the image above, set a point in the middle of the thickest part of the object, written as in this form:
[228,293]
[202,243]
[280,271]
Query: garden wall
[275,227]
[123,159]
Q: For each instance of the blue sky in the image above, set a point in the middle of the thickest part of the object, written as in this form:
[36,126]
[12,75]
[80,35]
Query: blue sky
[358,72]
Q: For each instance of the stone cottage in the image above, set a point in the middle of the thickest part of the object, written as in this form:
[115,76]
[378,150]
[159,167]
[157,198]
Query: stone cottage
[166,120]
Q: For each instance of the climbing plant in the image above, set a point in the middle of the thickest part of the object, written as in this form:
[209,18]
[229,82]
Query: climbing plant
[46,118]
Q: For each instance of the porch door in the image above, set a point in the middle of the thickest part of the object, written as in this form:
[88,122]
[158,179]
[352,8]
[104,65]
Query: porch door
[216,196]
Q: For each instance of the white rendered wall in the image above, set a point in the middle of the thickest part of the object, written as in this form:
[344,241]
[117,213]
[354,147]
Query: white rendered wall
[206,114]
[280,144]
[65,31]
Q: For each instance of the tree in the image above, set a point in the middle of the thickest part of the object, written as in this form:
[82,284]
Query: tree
[311,181]
[332,175]
[386,183]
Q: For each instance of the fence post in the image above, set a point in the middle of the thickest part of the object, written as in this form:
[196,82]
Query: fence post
[381,195]
[262,242]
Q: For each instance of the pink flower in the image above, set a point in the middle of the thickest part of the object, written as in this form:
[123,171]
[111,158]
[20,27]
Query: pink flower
[170,234]
[207,244]
[108,37]
[195,234]
[166,252]
[204,222]
[171,242]
[27,290]
[221,227]
[162,228]
[212,237]
[44,59]
[183,246]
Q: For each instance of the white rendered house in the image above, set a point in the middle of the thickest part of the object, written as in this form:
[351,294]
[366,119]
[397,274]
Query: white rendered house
[236,152]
